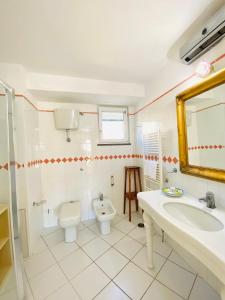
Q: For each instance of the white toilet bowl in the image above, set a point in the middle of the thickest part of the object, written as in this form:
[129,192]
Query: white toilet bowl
[69,218]
[105,212]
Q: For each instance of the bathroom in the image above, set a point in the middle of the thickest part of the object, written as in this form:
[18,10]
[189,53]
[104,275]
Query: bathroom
[89,61]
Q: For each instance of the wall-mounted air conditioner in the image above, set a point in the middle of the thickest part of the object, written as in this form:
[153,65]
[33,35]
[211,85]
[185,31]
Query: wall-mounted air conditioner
[205,38]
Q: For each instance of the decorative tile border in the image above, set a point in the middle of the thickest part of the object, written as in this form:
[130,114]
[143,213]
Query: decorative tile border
[206,147]
[63,160]
[170,159]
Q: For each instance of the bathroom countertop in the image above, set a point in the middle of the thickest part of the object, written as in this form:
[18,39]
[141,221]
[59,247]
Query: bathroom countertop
[207,246]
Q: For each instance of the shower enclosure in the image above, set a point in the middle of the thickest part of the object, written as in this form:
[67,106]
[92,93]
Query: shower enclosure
[11,279]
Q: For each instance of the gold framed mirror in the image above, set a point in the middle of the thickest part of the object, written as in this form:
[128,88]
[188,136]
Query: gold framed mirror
[201,128]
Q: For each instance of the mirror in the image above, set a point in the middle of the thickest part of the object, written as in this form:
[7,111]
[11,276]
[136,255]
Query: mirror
[201,128]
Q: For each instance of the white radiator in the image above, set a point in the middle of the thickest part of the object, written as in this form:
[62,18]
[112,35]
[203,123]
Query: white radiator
[153,151]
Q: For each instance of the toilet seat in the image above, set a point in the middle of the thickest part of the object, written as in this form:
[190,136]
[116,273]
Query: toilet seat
[69,214]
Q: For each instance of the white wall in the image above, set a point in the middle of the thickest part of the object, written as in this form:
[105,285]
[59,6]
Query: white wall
[163,112]
[81,180]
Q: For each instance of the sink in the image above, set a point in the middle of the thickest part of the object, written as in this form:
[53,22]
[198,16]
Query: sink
[193,216]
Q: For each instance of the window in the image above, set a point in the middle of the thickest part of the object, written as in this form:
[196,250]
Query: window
[113,125]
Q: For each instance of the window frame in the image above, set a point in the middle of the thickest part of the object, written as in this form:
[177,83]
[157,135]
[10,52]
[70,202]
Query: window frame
[113,108]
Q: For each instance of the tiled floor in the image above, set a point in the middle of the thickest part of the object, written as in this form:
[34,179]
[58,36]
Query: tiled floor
[111,267]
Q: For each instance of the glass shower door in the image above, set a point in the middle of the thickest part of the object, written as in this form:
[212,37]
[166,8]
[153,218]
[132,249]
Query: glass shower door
[11,283]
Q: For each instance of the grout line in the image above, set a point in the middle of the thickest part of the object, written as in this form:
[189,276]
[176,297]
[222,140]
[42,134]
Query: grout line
[28,282]
[130,260]
[59,289]
[49,267]
[170,289]
[192,286]
[111,279]
[182,267]
[167,259]
[154,277]
[148,288]
[111,246]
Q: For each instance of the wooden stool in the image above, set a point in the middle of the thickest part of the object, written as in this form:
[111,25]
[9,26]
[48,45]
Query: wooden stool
[128,194]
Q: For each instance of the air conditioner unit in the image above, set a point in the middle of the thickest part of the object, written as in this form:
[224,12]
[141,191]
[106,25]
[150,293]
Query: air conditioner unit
[205,39]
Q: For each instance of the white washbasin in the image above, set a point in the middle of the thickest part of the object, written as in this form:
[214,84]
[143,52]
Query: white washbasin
[193,216]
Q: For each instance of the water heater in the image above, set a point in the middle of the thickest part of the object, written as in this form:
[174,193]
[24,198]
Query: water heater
[66,119]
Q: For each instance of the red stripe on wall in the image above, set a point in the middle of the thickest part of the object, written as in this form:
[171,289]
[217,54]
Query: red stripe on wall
[207,107]
[222,56]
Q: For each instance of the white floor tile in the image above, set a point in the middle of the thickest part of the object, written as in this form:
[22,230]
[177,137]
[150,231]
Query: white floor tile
[113,237]
[202,291]
[139,235]
[37,263]
[84,236]
[116,219]
[133,281]
[95,228]
[137,220]
[140,260]
[48,230]
[96,248]
[157,291]
[128,247]
[89,222]
[112,262]
[162,248]
[47,282]
[81,226]
[40,246]
[64,293]
[177,259]
[27,290]
[54,237]
[10,283]
[90,282]
[63,249]
[74,263]
[10,295]
[176,278]
[125,226]
[112,292]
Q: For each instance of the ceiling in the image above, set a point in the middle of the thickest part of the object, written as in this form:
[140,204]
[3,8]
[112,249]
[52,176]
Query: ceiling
[120,40]
[49,96]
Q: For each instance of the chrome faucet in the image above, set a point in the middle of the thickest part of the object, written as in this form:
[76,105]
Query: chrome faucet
[101,196]
[209,199]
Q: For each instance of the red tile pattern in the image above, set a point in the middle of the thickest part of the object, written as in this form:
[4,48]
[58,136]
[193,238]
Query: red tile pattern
[206,147]
[170,159]
[151,157]
[51,161]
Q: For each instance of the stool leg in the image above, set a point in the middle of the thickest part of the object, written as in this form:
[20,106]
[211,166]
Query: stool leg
[135,190]
[139,179]
[125,190]
[129,193]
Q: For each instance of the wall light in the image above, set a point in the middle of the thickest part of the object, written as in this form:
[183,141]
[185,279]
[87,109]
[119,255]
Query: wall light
[204,68]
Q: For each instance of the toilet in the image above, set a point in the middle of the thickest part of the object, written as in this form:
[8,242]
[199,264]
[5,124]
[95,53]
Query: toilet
[105,212]
[69,218]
